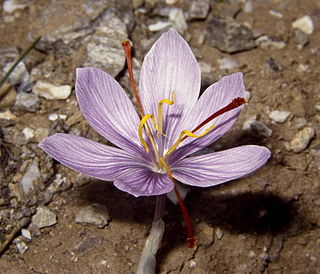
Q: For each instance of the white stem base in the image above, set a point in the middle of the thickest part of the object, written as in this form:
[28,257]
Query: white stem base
[147,263]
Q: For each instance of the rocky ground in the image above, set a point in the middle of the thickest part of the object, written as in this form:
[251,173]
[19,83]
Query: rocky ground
[59,221]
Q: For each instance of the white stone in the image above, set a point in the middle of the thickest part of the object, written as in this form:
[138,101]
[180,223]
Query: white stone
[265,42]
[31,175]
[28,133]
[199,9]
[227,63]
[160,25]
[218,233]
[178,19]
[205,68]
[19,74]
[301,139]
[247,95]
[304,24]
[44,217]
[7,115]
[26,233]
[248,7]
[52,92]
[21,246]
[13,5]
[279,116]
[94,214]
[56,116]
[171,2]
[275,13]
[303,68]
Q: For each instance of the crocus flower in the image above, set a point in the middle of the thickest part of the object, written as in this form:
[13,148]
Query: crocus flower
[149,152]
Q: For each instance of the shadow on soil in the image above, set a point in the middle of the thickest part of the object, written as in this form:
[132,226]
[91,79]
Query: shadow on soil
[253,213]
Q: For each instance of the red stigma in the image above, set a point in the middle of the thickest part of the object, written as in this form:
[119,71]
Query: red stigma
[236,102]
[191,241]
[127,51]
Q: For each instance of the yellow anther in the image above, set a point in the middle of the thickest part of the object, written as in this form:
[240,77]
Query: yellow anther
[166,167]
[160,112]
[143,122]
[187,133]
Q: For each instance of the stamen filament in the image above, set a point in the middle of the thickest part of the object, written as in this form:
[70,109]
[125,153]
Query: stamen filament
[186,133]
[143,124]
[127,50]
[160,112]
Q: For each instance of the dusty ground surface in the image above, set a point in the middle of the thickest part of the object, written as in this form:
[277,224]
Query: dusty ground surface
[268,222]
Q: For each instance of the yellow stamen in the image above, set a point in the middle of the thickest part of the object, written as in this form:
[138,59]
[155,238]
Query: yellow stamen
[166,167]
[186,133]
[160,112]
[141,125]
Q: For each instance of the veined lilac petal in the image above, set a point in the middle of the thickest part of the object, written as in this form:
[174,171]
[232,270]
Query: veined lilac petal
[107,108]
[145,182]
[219,167]
[91,158]
[170,66]
[215,97]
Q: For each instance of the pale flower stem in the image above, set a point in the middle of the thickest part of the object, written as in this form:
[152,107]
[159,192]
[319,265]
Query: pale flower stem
[147,262]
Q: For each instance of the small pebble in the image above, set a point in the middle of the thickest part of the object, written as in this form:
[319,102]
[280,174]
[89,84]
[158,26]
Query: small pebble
[248,7]
[199,9]
[302,139]
[52,92]
[218,233]
[32,174]
[19,74]
[260,128]
[28,133]
[176,16]
[227,63]
[7,115]
[299,122]
[300,38]
[95,214]
[44,217]
[160,25]
[20,245]
[56,116]
[205,234]
[305,24]
[275,13]
[13,5]
[247,95]
[26,233]
[171,2]
[205,68]
[279,116]
[27,102]
[265,42]
[89,242]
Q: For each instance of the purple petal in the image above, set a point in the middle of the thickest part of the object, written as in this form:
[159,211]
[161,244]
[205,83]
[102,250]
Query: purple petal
[145,183]
[170,66]
[217,96]
[219,167]
[91,158]
[107,108]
